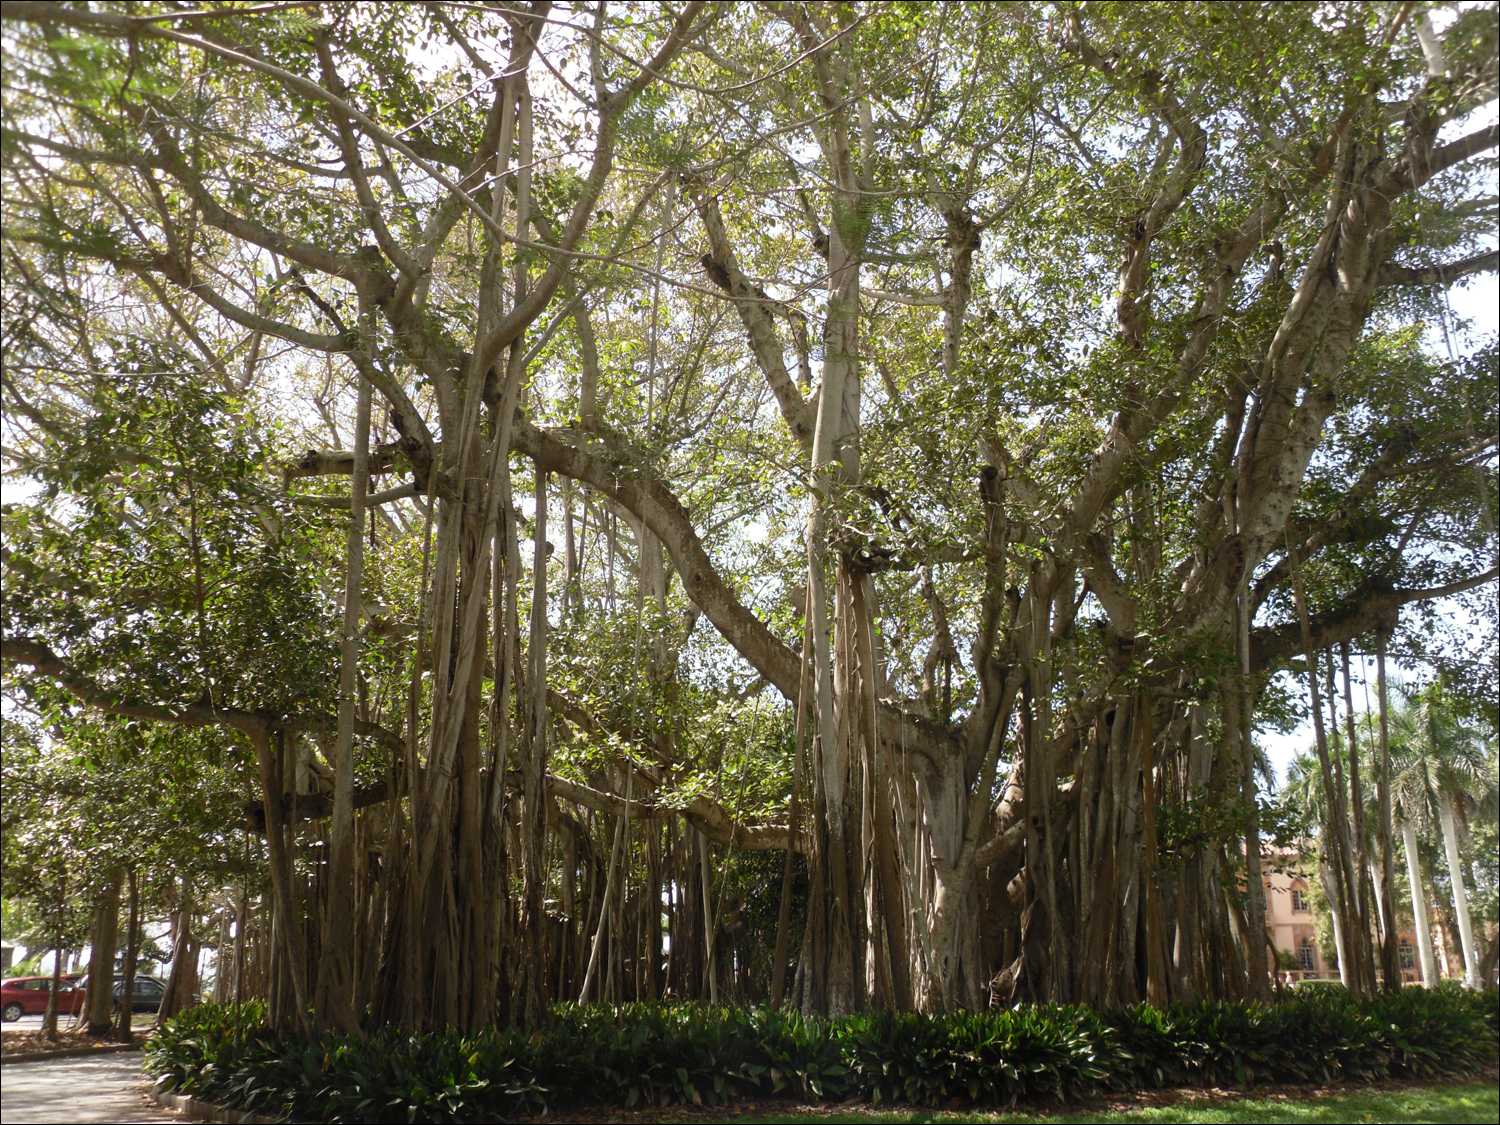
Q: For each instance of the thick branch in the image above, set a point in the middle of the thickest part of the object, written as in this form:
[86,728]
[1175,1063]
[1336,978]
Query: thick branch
[201,713]
[703,814]
[1442,273]
[337,463]
[312,806]
[756,311]
[654,503]
[23,650]
[1372,608]
[1339,518]
[342,503]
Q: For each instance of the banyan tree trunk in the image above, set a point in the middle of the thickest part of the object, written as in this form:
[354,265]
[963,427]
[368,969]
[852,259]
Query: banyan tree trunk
[104,942]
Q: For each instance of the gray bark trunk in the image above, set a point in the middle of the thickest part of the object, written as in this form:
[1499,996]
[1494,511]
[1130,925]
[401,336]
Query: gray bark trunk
[103,943]
[1419,906]
[1460,891]
[1390,958]
[335,989]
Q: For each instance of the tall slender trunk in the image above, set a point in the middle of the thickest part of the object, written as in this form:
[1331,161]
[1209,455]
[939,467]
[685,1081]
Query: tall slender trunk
[1361,954]
[1156,985]
[601,931]
[294,949]
[1256,957]
[184,950]
[241,917]
[710,968]
[1357,808]
[1335,841]
[534,776]
[1460,891]
[1327,878]
[1390,957]
[1450,952]
[1419,905]
[334,1003]
[799,736]
[1380,920]
[132,951]
[49,1019]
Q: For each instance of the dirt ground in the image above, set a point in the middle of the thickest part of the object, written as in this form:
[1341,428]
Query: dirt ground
[24,1040]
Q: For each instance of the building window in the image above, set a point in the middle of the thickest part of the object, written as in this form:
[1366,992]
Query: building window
[1407,954]
[1305,954]
[1299,900]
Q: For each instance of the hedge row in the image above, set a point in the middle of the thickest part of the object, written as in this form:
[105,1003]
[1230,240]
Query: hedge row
[645,1054]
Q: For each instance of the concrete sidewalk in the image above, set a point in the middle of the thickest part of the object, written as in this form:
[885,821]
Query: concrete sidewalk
[108,1087]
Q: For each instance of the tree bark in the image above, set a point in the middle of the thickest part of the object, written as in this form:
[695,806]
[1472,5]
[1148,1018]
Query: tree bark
[184,951]
[1342,881]
[49,1018]
[103,947]
[132,951]
[241,918]
[784,912]
[1390,957]
[334,1003]
[1419,905]
[1361,839]
[1156,984]
[710,968]
[293,947]
[1460,891]
[535,775]
[1255,953]
[1327,877]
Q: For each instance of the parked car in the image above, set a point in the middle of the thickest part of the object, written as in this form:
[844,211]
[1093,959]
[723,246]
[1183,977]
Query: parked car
[27,996]
[145,996]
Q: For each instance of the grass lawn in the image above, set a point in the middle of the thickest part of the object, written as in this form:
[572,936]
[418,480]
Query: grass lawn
[1478,1102]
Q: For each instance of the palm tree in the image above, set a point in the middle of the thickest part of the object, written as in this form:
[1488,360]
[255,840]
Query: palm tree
[1305,795]
[1411,815]
[1441,774]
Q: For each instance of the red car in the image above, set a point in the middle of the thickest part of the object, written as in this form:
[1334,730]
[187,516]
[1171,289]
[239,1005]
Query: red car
[27,996]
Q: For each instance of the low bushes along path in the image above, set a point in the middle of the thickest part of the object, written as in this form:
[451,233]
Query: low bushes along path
[111,1088]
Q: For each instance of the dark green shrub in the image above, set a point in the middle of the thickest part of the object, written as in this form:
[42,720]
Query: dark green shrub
[643,1054]
[224,1054]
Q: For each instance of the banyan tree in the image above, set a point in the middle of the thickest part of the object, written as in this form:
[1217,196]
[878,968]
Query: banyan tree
[583,456]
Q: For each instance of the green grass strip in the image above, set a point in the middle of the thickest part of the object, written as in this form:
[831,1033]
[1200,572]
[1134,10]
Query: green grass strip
[1441,1104]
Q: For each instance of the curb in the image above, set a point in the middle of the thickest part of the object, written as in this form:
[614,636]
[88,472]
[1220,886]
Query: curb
[195,1109]
[67,1053]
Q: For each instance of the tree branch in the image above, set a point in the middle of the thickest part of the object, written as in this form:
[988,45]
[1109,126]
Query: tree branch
[755,310]
[703,814]
[651,501]
[1442,273]
[1370,608]
[23,650]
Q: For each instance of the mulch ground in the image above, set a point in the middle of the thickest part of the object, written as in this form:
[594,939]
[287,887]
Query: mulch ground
[1119,1103]
[17,1041]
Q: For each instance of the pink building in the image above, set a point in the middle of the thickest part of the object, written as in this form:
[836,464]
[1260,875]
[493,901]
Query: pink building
[1292,923]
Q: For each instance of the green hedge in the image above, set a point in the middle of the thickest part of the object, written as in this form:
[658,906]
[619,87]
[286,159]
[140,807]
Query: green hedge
[646,1054]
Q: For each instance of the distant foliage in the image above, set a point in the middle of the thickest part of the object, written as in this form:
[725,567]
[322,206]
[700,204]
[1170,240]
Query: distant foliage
[652,1055]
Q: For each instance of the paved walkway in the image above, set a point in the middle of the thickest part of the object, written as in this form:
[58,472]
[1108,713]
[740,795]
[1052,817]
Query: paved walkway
[108,1087]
